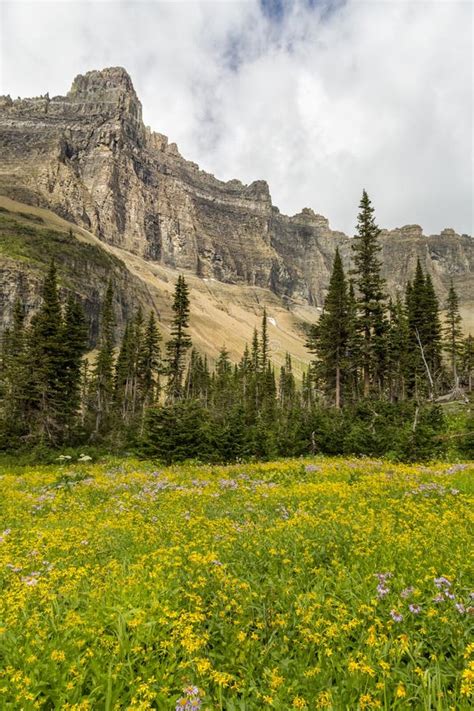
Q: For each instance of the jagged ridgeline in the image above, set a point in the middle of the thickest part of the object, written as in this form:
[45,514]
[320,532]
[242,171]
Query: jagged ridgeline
[89,158]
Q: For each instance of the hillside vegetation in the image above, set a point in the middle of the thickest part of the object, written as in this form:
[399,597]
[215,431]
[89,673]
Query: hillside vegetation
[298,584]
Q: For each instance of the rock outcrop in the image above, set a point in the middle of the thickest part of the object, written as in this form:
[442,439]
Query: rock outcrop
[89,158]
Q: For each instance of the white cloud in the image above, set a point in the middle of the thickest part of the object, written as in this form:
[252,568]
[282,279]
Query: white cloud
[324,101]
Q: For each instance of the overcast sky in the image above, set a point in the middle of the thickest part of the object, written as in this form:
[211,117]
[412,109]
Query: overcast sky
[321,98]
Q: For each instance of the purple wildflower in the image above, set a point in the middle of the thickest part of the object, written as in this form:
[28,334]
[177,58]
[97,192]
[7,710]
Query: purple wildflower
[439,598]
[191,701]
[415,609]
[406,592]
[442,582]
[460,608]
[382,590]
[396,616]
[383,576]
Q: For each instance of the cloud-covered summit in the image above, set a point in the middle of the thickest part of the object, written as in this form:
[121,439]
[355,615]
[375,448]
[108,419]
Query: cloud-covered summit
[319,97]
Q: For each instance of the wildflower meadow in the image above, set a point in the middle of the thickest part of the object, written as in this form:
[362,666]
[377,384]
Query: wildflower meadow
[316,584]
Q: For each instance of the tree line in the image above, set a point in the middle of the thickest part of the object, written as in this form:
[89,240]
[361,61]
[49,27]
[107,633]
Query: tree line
[378,367]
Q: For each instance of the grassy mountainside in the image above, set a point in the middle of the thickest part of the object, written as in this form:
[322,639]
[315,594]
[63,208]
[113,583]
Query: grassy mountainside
[220,313]
[28,243]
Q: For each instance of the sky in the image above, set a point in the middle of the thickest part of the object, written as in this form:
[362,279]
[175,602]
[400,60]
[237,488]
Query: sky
[320,98]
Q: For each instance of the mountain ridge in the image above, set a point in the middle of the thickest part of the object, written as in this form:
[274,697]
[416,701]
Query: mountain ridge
[89,157]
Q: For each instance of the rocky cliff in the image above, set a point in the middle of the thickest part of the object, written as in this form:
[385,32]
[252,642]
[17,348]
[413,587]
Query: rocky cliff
[88,157]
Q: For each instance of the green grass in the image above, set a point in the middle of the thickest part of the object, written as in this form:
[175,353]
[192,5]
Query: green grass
[23,239]
[124,582]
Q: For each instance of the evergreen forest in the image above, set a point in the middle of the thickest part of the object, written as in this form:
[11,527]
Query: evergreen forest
[382,375]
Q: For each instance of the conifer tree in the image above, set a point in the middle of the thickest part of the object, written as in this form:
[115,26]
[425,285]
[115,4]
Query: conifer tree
[124,369]
[255,355]
[103,375]
[287,384]
[369,284]
[397,351]
[149,363]
[180,341]
[198,378]
[424,335]
[264,344]
[45,351]
[354,347]
[14,378]
[434,329]
[453,332]
[74,345]
[329,338]
[468,361]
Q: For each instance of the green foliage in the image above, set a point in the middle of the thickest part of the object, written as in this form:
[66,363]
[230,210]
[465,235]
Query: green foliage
[453,333]
[23,239]
[239,411]
[180,341]
[328,339]
[370,296]
[177,432]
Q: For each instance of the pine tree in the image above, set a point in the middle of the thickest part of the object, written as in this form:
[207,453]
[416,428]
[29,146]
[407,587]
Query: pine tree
[287,384]
[198,379]
[397,351]
[124,373]
[149,364]
[180,341]
[468,361]
[264,343]
[453,332]
[329,338]
[103,375]
[14,378]
[434,331]
[354,347]
[45,351]
[74,345]
[369,284]
[424,335]
[255,354]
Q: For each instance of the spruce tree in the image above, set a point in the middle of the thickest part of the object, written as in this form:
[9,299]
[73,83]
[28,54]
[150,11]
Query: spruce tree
[287,384]
[74,345]
[14,378]
[149,364]
[180,341]
[198,379]
[264,344]
[369,285]
[467,360]
[354,347]
[397,351]
[434,331]
[103,375]
[45,351]
[453,333]
[124,373]
[329,338]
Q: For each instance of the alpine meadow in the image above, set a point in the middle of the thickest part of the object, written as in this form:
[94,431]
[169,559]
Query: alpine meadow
[236,442]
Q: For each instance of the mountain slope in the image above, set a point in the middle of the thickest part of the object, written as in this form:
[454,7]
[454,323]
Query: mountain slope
[220,313]
[88,157]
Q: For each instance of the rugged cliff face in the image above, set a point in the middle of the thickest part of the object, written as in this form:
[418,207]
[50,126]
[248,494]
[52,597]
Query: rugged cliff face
[89,158]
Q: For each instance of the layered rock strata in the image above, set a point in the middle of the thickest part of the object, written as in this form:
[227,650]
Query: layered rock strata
[88,157]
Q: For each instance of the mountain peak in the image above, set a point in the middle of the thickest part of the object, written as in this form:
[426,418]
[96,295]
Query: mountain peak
[109,85]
